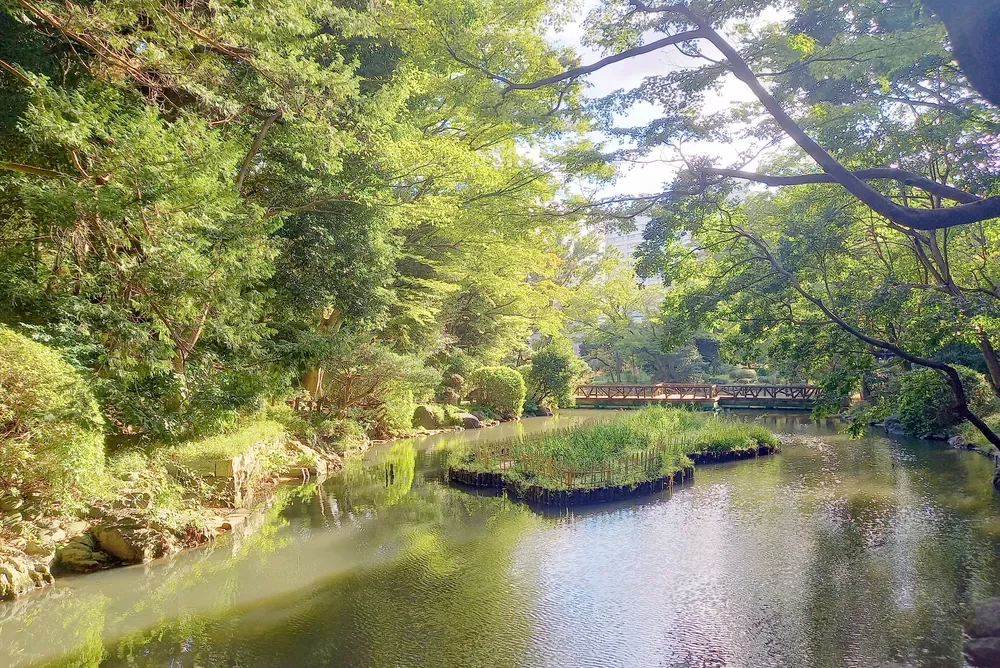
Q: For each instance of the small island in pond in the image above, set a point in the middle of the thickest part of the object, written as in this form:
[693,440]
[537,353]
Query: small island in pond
[637,453]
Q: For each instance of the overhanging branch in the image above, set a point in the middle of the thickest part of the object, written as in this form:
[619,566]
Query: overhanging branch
[908,178]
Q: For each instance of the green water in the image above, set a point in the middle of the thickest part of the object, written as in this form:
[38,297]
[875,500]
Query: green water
[833,553]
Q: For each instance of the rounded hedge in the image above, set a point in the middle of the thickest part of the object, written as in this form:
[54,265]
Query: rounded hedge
[501,388]
[51,429]
[926,401]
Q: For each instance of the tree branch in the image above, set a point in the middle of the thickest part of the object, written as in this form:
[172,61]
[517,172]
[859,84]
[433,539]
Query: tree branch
[954,380]
[891,173]
[28,169]
[577,72]
[254,148]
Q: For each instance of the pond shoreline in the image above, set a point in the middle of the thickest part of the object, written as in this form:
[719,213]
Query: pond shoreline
[41,568]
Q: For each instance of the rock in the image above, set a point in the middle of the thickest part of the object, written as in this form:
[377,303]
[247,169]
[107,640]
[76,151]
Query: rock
[985,619]
[131,541]
[959,443]
[479,415]
[543,411]
[234,520]
[81,555]
[935,437]
[450,396]
[77,528]
[424,417]
[983,652]
[893,426]
[21,572]
[470,421]
[9,504]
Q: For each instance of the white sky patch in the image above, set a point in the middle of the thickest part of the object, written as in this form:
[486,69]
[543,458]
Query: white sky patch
[659,167]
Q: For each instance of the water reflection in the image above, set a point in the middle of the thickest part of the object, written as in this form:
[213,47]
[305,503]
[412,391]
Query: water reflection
[835,553]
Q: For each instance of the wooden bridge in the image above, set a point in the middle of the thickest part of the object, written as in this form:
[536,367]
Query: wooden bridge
[800,397]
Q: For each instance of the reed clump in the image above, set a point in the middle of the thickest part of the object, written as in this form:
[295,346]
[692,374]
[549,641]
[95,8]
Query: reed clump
[629,449]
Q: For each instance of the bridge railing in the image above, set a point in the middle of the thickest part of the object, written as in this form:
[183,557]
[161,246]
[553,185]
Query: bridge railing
[804,392]
[666,391]
[657,391]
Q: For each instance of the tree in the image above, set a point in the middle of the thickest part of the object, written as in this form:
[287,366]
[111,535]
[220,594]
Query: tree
[875,41]
[554,374]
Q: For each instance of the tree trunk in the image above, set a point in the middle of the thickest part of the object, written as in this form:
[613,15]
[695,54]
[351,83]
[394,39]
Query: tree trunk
[312,379]
[992,364]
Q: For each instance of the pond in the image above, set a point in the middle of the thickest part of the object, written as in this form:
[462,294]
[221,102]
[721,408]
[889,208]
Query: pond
[833,553]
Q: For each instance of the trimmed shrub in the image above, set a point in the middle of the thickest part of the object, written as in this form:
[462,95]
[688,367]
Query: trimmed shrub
[926,402]
[51,429]
[743,375]
[396,414]
[501,388]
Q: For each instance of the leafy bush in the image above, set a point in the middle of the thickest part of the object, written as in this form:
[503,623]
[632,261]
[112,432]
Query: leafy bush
[554,372]
[970,434]
[501,388]
[396,413]
[926,401]
[743,375]
[51,430]
[341,435]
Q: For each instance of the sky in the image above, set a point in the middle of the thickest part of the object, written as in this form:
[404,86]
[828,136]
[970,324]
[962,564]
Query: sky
[648,178]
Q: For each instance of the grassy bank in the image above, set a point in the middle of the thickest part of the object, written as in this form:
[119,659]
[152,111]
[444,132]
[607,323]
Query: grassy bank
[630,449]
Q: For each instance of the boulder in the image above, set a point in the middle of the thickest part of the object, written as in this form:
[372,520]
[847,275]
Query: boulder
[983,652]
[424,417]
[983,644]
[470,421]
[21,572]
[131,541]
[450,396]
[959,443]
[985,619]
[893,426]
[81,555]
[543,411]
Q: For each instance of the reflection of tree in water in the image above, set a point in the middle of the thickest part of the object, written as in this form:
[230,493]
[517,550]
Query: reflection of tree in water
[895,554]
[75,625]
[443,598]
[376,484]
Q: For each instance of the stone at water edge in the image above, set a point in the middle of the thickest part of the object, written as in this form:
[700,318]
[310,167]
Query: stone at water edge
[893,426]
[129,540]
[424,417]
[81,555]
[470,421]
[21,572]
[983,645]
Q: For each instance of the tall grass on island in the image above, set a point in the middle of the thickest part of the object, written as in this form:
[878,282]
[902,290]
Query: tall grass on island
[628,449]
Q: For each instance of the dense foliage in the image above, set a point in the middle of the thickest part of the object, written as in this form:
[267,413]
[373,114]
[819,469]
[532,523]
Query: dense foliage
[208,206]
[51,431]
[553,375]
[926,403]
